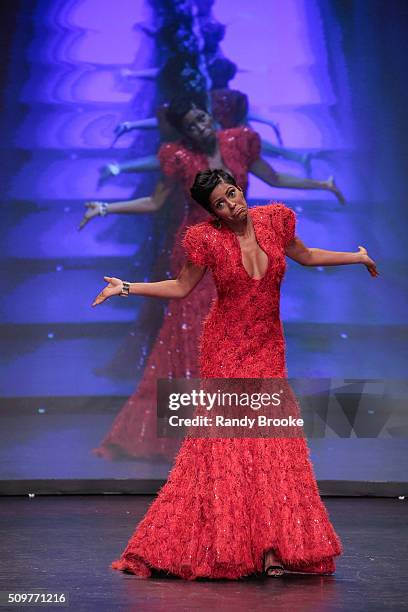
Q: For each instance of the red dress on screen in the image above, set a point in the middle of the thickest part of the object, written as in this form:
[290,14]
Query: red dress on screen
[175,351]
[227,501]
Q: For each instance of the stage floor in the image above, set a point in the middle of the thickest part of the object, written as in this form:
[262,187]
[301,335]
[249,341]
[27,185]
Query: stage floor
[66,544]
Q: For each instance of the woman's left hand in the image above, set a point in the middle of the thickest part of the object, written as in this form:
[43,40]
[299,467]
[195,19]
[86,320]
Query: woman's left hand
[331,186]
[114,287]
[106,172]
[368,262]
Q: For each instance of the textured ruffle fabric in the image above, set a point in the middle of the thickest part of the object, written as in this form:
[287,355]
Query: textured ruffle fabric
[228,501]
[243,335]
[175,351]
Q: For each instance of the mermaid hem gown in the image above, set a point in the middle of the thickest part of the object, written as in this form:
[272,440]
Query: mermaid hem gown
[229,500]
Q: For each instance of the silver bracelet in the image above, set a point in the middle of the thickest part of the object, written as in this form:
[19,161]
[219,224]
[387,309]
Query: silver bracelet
[103,210]
[125,289]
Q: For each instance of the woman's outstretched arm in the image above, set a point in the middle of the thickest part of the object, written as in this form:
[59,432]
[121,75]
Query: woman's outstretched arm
[139,164]
[189,276]
[164,189]
[266,173]
[306,256]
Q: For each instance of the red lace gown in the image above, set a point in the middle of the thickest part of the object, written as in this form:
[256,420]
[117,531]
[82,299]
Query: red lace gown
[175,351]
[227,501]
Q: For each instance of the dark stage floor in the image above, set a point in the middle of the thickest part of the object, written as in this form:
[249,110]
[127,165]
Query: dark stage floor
[66,544]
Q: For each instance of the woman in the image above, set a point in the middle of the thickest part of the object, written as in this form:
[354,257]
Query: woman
[174,352]
[232,507]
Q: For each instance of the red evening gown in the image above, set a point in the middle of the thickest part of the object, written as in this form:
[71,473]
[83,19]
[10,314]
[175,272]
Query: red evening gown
[227,501]
[175,350]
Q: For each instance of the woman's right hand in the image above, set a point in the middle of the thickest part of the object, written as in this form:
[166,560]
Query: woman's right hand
[93,209]
[114,287]
[122,128]
[106,172]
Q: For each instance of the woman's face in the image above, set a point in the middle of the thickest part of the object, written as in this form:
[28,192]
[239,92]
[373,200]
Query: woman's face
[198,127]
[228,203]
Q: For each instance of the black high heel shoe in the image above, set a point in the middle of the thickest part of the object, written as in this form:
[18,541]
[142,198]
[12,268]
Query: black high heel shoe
[275,569]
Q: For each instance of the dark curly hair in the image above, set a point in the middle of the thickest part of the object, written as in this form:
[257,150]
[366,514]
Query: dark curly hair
[221,71]
[180,106]
[205,182]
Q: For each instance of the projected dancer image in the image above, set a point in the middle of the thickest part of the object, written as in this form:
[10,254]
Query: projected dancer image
[229,108]
[174,352]
[237,506]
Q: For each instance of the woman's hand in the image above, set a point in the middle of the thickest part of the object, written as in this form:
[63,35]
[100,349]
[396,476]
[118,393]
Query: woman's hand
[122,128]
[107,172]
[368,262]
[114,287]
[93,209]
[331,186]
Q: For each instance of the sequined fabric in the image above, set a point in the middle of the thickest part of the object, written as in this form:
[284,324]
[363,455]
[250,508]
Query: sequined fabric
[228,501]
[175,351]
[239,148]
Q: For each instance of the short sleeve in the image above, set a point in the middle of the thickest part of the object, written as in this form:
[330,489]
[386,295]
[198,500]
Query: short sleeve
[195,245]
[171,160]
[252,145]
[284,220]
[288,224]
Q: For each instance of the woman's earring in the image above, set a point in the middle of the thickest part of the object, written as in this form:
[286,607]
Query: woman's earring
[217,223]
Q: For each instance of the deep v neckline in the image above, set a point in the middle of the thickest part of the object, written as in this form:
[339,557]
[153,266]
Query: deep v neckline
[241,259]
[220,144]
